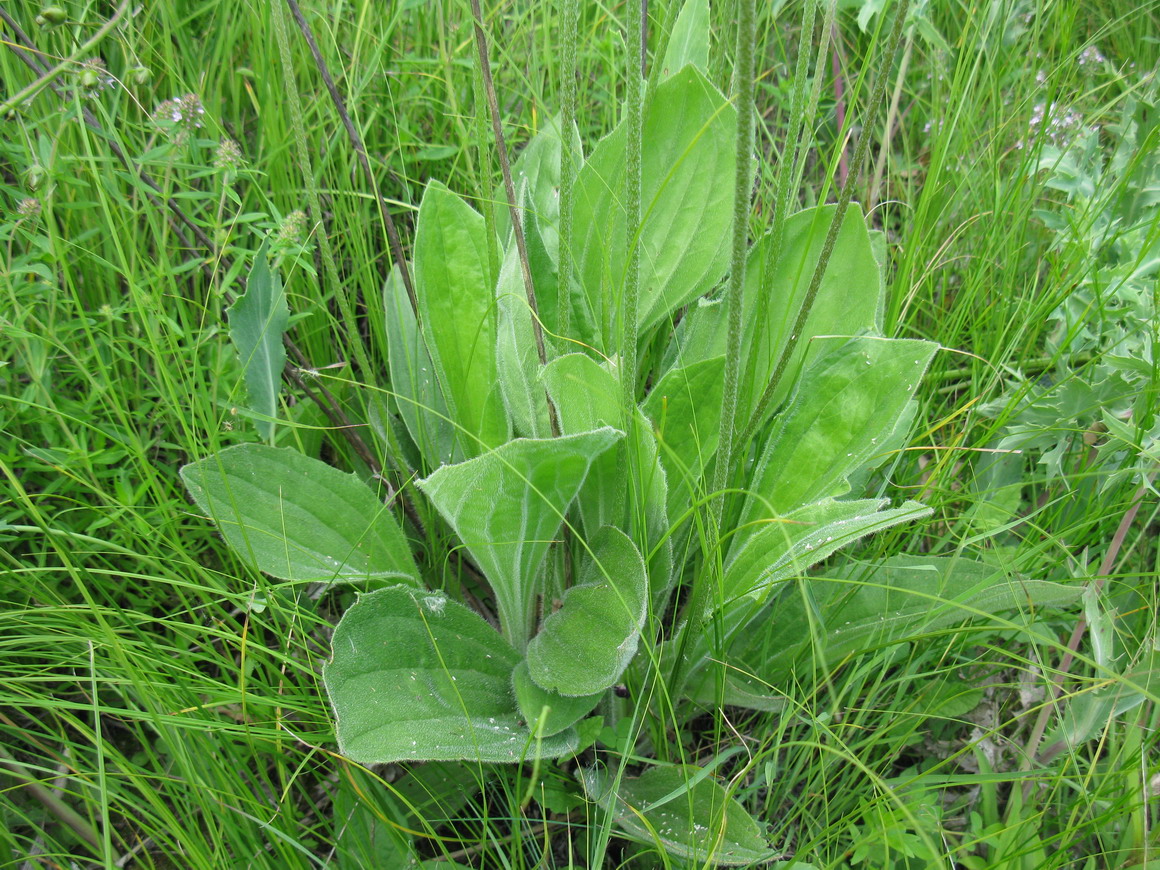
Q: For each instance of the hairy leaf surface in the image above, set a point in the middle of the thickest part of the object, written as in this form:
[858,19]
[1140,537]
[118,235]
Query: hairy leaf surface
[257,322]
[418,394]
[418,676]
[687,813]
[585,645]
[687,168]
[507,507]
[455,291]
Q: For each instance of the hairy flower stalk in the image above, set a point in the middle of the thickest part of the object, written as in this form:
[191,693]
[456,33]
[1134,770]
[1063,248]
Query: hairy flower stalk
[513,206]
[743,77]
[571,27]
[746,36]
[635,99]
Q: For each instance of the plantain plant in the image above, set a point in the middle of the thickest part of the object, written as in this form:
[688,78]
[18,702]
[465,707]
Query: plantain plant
[605,543]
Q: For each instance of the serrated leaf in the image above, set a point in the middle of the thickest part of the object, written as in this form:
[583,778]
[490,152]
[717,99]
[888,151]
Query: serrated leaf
[687,169]
[703,825]
[563,712]
[298,518]
[507,507]
[689,40]
[455,291]
[417,392]
[585,645]
[257,322]
[789,545]
[418,676]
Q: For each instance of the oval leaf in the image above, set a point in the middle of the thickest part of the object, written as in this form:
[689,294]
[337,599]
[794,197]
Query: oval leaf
[298,518]
[687,169]
[257,321]
[584,647]
[417,676]
[455,290]
[562,712]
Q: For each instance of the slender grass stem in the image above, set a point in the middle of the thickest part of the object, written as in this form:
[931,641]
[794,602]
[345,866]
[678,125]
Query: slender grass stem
[360,151]
[832,234]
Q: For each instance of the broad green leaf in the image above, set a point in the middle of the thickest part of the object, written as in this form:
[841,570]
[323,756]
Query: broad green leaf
[587,395]
[844,410]
[507,507]
[738,688]
[538,171]
[416,676]
[1088,714]
[417,391]
[687,168]
[849,300]
[257,322]
[517,358]
[701,824]
[545,279]
[784,546]
[866,607]
[563,712]
[689,40]
[298,518]
[455,290]
[685,410]
[585,392]
[585,645]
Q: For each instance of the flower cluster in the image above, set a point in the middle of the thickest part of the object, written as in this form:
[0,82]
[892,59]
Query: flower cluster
[228,157]
[29,207]
[179,117]
[1090,60]
[1054,123]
